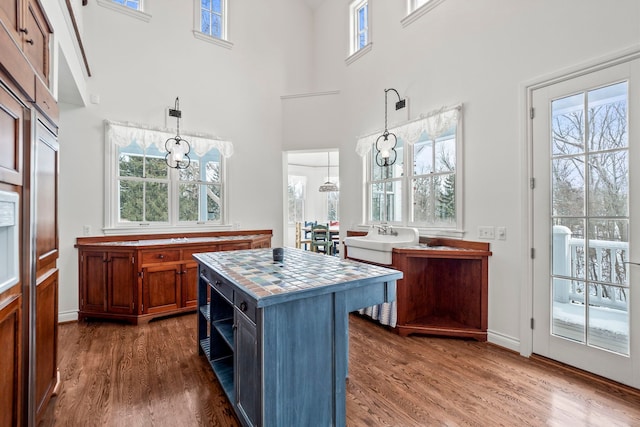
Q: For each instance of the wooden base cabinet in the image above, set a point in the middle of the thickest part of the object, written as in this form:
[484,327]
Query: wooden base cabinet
[445,288]
[46,354]
[136,281]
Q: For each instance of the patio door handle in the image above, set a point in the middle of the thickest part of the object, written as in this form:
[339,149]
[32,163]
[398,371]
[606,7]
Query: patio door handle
[631,262]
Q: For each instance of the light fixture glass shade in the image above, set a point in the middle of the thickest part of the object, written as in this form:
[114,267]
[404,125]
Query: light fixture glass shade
[328,187]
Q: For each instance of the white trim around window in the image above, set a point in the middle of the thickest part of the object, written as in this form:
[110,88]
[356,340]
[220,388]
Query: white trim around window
[116,135]
[138,14]
[413,13]
[356,49]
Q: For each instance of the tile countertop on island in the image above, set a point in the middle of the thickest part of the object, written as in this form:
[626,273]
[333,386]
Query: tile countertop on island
[300,274]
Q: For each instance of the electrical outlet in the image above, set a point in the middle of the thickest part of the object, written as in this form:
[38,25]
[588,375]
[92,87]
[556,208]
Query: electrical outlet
[501,233]
[486,232]
[86,230]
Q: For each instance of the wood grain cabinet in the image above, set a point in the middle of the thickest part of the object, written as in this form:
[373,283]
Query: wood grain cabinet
[137,281]
[445,288]
[28,25]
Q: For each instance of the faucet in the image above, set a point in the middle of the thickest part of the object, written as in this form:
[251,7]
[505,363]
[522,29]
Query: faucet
[386,230]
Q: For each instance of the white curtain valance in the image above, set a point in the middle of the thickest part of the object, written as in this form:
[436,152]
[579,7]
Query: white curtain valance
[123,134]
[433,124]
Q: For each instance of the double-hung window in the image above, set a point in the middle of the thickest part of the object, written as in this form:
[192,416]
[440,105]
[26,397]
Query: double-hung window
[422,188]
[360,35]
[142,191]
[213,18]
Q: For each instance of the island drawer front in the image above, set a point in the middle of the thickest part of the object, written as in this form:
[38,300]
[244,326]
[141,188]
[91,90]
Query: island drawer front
[361,297]
[216,282]
[166,255]
[246,305]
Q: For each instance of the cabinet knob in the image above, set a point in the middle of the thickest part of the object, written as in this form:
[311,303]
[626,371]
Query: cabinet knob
[218,283]
[30,41]
[161,256]
[243,306]
[24,30]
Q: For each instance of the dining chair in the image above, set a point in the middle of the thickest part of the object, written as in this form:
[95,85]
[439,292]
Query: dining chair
[308,227]
[300,241]
[320,241]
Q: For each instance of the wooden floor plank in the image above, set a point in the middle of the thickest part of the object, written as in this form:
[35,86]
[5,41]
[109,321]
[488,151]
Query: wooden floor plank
[151,375]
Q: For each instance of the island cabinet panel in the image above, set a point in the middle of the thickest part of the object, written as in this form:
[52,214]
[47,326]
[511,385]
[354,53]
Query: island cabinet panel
[149,276]
[276,334]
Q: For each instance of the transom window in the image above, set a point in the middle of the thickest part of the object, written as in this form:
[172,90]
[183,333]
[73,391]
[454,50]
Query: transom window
[142,191]
[421,188]
[213,18]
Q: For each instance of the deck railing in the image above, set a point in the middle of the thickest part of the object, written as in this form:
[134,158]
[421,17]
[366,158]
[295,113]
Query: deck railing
[601,262]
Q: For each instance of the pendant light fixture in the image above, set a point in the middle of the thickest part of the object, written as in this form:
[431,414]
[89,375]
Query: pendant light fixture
[178,149]
[386,143]
[328,186]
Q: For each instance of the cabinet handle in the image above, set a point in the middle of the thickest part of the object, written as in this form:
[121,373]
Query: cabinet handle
[30,41]
[218,283]
[243,306]
[24,30]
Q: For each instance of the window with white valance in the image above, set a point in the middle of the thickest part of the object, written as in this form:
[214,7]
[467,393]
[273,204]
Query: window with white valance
[141,191]
[423,188]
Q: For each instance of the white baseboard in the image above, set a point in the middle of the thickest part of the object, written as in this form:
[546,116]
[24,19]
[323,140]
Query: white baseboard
[504,341]
[67,316]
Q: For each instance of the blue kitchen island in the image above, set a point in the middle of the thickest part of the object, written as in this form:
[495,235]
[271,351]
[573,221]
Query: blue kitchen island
[276,333]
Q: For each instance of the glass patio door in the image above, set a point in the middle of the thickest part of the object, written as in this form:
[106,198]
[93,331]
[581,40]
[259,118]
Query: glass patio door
[585,147]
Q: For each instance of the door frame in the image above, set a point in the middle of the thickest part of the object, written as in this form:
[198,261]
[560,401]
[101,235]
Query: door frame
[526,93]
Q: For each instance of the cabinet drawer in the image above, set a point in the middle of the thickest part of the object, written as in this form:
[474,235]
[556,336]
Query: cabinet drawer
[187,253]
[165,255]
[234,246]
[246,305]
[218,284]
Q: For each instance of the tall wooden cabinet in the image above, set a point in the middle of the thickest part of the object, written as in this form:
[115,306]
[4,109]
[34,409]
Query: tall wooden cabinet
[29,167]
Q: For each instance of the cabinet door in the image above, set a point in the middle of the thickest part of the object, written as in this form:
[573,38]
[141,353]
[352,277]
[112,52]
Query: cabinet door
[93,281]
[121,283]
[247,369]
[10,16]
[10,361]
[189,284]
[46,185]
[12,116]
[161,288]
[46,333]
[36,39]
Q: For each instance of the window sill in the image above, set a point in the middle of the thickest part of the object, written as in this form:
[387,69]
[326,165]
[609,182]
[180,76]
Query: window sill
[416,14]
[138,14]
[213,40]
[124,231]
[360,53]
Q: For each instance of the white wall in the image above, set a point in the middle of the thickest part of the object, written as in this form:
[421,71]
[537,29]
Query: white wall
[139,68]
[480,53]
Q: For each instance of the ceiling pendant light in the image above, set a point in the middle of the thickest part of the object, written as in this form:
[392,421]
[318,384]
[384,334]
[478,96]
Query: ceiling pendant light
[386,143]
[178,149]
[328,186]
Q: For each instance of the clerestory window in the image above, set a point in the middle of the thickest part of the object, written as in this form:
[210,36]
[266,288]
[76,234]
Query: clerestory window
[359,14]
[213,18]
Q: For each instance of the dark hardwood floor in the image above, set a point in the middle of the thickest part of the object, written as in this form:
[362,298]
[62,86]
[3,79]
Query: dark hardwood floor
[151,375]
